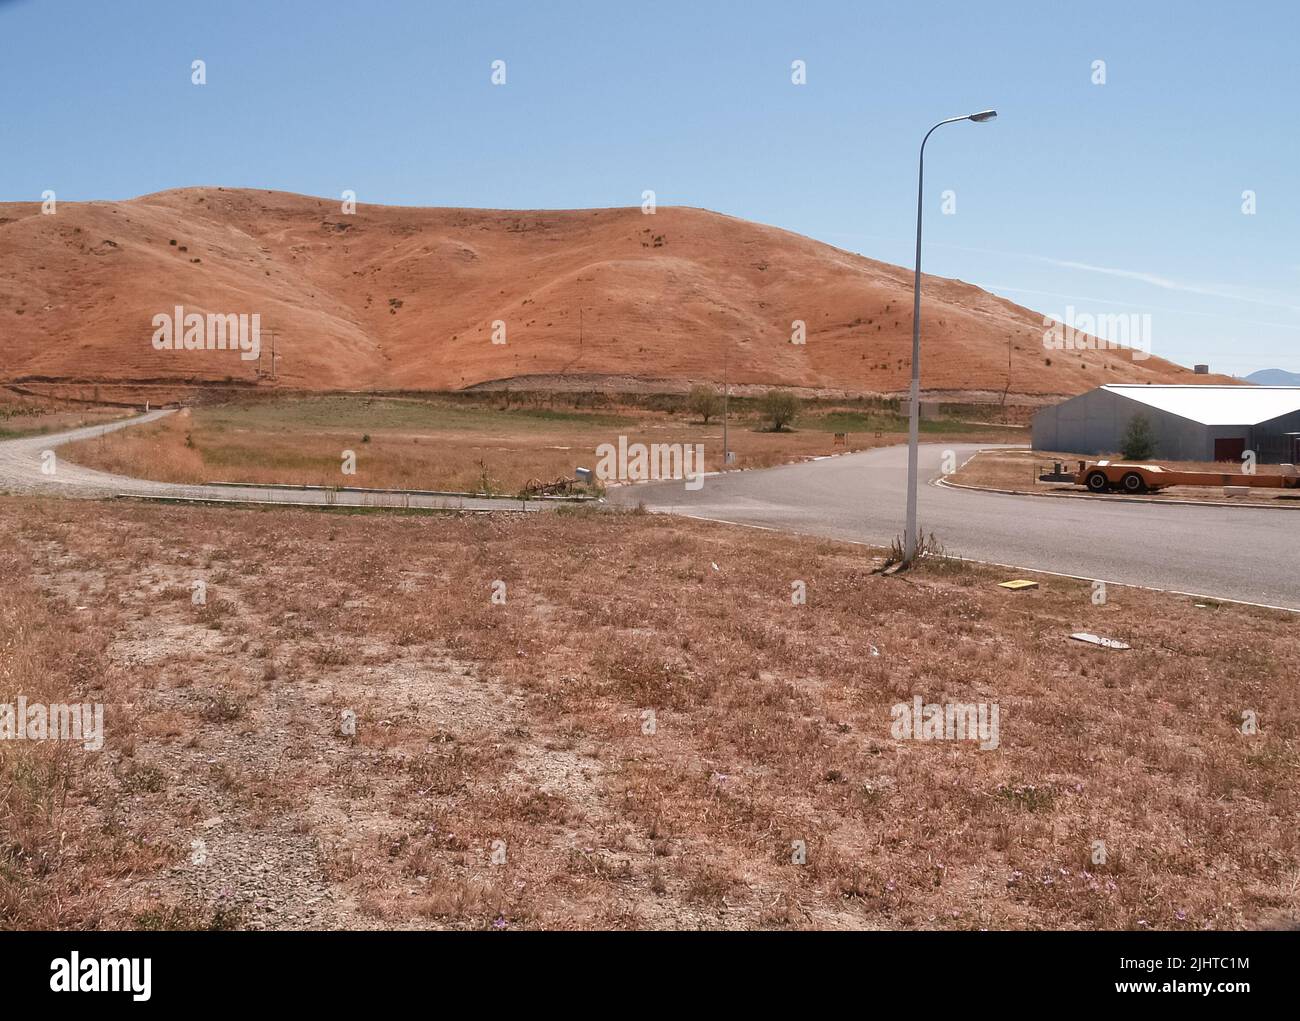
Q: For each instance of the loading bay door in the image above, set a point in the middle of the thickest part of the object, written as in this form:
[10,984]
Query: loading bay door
[1229,448]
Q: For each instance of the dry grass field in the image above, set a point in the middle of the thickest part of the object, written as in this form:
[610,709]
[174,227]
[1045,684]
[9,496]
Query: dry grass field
[21,415]
[504,771]
[1017,471]
[433,444]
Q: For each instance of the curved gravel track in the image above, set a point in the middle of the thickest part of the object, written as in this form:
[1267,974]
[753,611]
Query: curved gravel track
[21,461]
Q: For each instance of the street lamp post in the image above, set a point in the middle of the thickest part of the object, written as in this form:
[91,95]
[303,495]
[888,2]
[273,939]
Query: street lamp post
[914,411]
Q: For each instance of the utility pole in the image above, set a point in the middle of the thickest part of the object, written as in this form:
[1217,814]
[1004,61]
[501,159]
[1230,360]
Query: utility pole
[726,450]
[270,374]
[1007,389]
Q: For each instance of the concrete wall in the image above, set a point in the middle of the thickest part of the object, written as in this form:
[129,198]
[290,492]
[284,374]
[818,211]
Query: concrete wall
[1270,442]
[929,410]
[1094,423]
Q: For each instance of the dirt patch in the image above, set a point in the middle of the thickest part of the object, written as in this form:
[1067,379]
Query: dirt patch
[632,739]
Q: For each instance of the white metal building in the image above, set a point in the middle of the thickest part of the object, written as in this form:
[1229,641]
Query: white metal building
[1190,423]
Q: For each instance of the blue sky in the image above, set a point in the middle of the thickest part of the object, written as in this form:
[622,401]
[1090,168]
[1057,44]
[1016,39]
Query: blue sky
[1122,197]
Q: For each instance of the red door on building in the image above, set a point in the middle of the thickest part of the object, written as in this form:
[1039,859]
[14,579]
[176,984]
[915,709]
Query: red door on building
[1229,448]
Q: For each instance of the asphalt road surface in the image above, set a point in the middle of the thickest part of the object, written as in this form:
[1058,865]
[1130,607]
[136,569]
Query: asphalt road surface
[22,460]
[1249,554]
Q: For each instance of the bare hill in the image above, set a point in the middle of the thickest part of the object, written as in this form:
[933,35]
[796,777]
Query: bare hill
[405,298]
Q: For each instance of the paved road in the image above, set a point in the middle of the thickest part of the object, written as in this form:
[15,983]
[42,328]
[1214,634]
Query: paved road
[1226,552]
[21,462]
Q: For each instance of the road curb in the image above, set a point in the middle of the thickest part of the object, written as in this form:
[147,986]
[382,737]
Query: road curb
[303,504]
[302,488]
[944,483]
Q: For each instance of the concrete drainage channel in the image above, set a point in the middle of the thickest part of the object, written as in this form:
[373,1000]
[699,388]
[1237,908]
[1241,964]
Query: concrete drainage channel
[385,497]
[398,502]
[410,492]
[351,498]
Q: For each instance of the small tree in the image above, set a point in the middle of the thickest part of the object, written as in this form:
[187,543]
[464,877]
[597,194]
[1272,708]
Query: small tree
[779,409]
[704,401]
[1138,442]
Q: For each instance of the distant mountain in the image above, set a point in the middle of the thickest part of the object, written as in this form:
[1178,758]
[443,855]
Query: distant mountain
[1274,377]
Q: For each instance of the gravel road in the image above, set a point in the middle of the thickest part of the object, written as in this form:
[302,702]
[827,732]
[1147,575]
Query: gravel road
[22,462]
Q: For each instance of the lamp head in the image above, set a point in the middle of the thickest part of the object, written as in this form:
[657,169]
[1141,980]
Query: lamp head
[983,115]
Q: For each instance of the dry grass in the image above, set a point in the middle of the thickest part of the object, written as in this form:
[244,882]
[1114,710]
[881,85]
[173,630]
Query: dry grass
[1017,471]
[62,840]
[24,415]
[415,444]
[522,729]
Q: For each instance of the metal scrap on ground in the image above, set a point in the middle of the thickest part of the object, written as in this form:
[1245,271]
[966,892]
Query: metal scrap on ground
[1105,643]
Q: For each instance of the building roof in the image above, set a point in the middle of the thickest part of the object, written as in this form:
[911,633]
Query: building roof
[1214,405]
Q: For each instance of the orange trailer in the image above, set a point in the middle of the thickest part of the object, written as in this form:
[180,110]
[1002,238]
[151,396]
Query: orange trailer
[1131,477]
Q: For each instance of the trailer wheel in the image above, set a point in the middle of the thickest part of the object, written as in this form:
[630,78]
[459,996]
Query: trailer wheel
[1097,482]
[1133,483]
